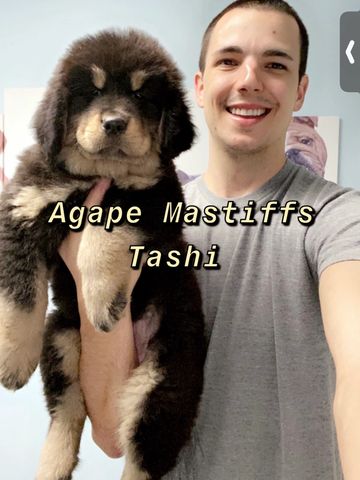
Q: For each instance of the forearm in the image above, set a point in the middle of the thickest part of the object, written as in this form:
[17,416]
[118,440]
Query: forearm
[106,358]
[347,420]
[105,364]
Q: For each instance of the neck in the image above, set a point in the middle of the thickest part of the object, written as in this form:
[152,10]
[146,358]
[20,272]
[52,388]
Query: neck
[233,174]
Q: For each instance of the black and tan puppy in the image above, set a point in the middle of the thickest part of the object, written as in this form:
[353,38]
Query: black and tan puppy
[114,108]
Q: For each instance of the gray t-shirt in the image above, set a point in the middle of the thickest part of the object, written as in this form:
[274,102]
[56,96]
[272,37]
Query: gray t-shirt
[266,410]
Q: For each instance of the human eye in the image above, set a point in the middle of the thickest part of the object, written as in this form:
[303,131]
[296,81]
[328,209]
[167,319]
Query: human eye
[276,66]
[226,62]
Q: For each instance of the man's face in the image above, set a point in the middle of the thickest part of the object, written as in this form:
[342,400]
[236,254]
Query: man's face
[250,87]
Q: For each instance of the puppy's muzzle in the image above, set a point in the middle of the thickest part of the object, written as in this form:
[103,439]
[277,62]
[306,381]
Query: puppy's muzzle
[114,125]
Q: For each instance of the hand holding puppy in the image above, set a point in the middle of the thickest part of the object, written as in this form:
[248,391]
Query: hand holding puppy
[107,359]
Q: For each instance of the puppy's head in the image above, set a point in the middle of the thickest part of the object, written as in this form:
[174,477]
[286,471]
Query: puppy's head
[115,100]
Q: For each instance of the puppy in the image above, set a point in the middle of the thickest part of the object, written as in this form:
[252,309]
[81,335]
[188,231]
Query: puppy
[114,108]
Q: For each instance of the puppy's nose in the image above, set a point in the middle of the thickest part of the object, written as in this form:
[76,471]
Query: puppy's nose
[114,126]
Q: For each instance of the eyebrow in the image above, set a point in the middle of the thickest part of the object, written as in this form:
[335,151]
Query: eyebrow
[267,53]
[277,53]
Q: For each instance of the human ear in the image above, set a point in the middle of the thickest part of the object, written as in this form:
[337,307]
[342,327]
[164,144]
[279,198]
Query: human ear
[301,91]
[199,89]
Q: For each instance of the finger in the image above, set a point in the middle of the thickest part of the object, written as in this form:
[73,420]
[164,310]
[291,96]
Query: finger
[97,193]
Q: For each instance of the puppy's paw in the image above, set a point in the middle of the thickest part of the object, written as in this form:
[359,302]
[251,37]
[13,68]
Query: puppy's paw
[105,265]
[116,310]
[13,381]
[20,349]
[66,477]
[103,313]
[16,366]
[21,335]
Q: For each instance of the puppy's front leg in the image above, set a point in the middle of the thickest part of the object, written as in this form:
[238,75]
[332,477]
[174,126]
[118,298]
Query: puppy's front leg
[104,261]
[21,325]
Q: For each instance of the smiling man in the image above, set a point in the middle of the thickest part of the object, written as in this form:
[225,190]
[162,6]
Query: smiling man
[282,386]
[249,85]
[281,396]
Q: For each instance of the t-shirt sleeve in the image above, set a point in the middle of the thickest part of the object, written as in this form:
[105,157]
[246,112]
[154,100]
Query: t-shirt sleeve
[335,235]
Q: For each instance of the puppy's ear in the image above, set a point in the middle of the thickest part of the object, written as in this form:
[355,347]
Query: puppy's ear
[177,132]
[51,117]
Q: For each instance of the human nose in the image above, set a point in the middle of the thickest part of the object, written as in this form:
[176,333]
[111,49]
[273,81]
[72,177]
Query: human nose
[249,78]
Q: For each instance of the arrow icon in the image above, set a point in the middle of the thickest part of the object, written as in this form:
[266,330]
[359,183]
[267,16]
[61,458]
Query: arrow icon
[348,52]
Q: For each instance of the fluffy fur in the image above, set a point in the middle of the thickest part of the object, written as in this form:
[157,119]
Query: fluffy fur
[114,107]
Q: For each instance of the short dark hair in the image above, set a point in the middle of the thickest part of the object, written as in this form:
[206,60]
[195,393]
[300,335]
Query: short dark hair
[277,5]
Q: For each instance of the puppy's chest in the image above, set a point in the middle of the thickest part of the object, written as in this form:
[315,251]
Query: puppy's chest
[142,209]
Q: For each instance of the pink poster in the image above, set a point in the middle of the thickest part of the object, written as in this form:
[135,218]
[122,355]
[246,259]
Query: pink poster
[2,146]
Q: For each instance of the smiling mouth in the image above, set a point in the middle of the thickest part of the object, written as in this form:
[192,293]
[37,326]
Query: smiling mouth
[248,113]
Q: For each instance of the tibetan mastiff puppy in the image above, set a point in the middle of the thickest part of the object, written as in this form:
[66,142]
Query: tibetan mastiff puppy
[114,108]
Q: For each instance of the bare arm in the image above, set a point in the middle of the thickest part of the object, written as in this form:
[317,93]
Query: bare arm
[340,305]
[106,358]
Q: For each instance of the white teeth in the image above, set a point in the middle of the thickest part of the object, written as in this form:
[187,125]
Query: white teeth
[247,113]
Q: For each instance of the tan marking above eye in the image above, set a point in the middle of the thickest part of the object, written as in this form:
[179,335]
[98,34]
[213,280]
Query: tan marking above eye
[98,76]
[137,79]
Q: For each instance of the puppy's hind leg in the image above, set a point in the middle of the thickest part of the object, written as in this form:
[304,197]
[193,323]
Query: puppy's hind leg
[60,371]
[143,381]
[159,414]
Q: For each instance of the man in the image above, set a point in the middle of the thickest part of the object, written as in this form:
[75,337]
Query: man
[285,301]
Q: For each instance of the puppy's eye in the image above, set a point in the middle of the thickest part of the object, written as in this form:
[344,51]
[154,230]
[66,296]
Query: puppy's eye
[96,92]
[138,94]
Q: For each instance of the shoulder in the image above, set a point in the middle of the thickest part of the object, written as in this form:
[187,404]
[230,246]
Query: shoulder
[334,235]
[311,189]
[192,191]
